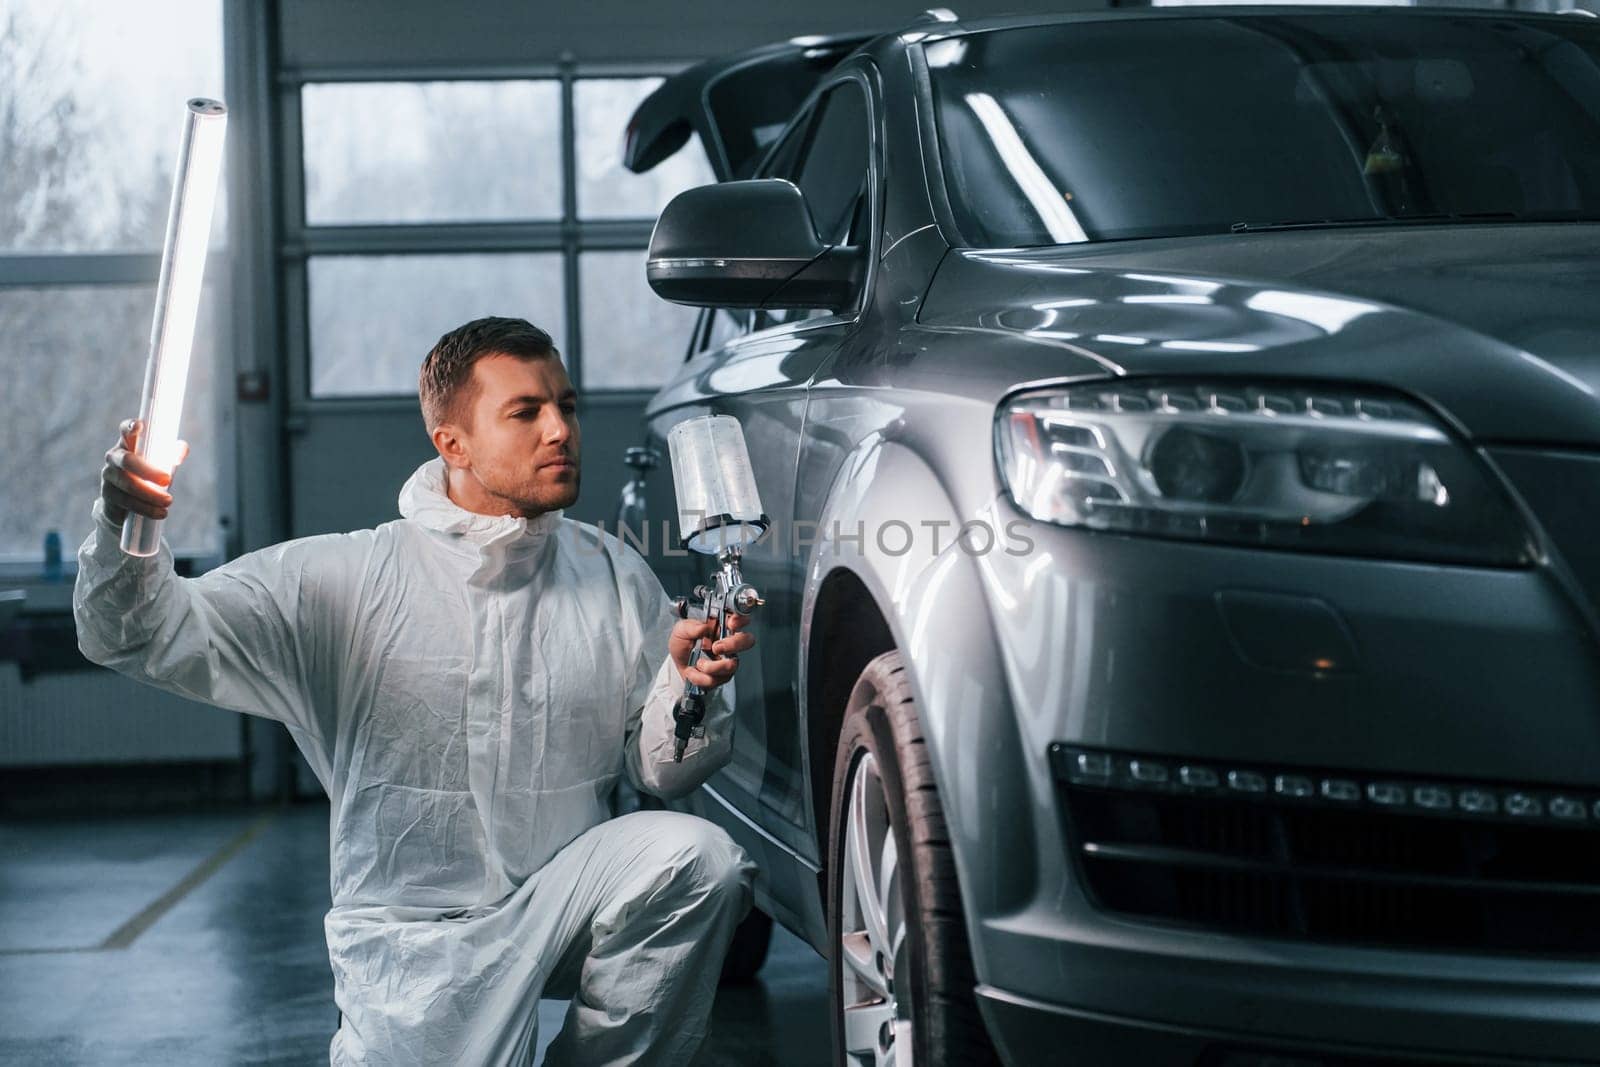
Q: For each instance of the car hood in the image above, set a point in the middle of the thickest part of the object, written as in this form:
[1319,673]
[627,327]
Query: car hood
[1497,326]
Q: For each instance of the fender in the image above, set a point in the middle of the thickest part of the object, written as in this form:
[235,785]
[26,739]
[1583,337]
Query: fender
[938,612]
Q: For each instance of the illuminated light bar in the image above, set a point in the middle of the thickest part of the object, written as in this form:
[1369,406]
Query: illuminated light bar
[1435,797]
[1147,771]
[183,264]
[1246,782]
[1521,804]
[1326,789]
[1292,785]
[1341,790]
[1388,794]
[1095,765]
[1569,808]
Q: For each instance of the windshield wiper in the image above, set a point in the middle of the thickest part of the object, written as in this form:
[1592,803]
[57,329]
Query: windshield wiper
[1379,220]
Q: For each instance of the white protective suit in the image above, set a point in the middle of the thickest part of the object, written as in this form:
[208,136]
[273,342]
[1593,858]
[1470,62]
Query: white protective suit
[467,688]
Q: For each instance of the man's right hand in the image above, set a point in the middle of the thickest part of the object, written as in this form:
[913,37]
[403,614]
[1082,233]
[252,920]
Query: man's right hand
[128,483]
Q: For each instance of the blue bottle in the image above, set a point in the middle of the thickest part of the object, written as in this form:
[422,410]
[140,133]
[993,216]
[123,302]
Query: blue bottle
[52,556]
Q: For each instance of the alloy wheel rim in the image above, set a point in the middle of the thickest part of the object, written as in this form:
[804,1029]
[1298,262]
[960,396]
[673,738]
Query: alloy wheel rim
[873,962]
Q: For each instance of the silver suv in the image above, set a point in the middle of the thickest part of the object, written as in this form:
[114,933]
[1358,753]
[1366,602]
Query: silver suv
[1181,436]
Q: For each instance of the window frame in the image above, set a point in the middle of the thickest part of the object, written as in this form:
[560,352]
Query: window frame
[568,235]
[123,267]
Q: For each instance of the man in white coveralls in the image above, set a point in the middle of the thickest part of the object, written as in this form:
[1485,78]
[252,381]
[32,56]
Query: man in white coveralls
[467,682]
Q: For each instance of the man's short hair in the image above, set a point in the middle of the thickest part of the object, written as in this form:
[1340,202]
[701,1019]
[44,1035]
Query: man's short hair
[445,385]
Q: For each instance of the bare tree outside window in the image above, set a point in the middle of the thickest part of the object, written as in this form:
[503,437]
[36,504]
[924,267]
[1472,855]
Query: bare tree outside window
[443,151]
[86,169]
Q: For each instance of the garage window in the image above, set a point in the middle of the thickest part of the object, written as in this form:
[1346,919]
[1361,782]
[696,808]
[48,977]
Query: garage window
[607,190]
[477,197]
[630,334]
[92,100]
[400,152]
[375,346]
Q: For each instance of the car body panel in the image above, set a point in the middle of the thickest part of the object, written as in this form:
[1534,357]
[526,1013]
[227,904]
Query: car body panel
[1561,487]
[761,380]
[885,416]
[1490,323]
[934,604]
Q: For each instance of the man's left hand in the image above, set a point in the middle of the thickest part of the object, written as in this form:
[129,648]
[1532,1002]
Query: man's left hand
[719,659]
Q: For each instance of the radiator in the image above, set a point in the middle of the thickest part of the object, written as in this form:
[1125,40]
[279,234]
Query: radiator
[98,716]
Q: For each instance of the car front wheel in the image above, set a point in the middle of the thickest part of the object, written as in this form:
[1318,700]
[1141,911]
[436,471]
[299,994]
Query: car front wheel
[900,969]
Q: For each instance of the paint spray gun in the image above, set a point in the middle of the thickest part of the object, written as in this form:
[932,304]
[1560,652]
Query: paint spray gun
[719,514]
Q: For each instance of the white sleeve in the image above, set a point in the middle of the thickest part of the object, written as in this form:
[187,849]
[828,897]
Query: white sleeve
[654,688]
[240,636]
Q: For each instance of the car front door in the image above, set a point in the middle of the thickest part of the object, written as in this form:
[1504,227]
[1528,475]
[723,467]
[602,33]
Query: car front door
[761,378]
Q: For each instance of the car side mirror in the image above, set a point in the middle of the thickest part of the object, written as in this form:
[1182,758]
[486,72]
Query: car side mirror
[749,244]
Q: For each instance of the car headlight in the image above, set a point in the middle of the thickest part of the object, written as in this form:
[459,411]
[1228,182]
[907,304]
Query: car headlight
[1324,470]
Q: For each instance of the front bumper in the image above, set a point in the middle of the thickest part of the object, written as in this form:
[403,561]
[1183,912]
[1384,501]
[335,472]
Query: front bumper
[1029,1031]
[1415,672]
[1284,994]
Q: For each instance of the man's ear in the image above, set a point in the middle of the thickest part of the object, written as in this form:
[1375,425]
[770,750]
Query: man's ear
[447,438]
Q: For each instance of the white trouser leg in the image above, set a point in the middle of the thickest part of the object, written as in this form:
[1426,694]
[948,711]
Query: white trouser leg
[649,902]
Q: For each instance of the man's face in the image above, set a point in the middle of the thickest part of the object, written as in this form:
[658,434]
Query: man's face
[521,446]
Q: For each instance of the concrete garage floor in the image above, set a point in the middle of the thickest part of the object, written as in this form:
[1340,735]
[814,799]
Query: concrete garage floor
[197,939]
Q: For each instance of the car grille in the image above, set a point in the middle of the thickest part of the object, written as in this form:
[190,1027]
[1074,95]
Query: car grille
[1335,856]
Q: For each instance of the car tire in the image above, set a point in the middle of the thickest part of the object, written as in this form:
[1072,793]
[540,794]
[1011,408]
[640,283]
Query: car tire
[887,830]
[747,952]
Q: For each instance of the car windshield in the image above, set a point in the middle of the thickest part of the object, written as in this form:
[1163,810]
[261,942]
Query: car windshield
[1116,129]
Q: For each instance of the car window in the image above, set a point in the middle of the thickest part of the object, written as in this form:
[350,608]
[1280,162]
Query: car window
[826,155]
[832,169]
[1116,130]
[726,324]
[751,105]
[781,164]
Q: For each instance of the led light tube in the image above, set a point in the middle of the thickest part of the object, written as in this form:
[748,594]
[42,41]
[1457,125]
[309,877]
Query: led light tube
[183,264]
